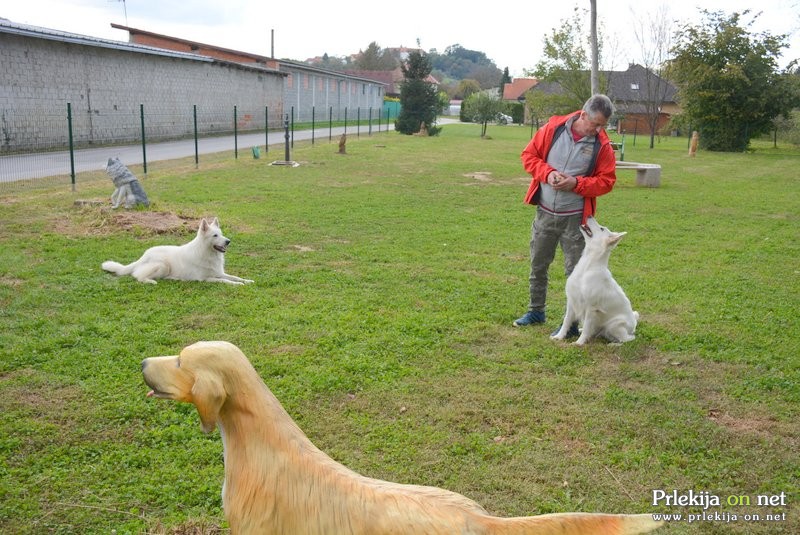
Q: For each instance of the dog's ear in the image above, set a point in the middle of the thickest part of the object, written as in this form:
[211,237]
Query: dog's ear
[203,225]
[214,222]
[613,239]
[208,395]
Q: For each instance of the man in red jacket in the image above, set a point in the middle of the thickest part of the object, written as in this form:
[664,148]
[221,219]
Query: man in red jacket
[572,163]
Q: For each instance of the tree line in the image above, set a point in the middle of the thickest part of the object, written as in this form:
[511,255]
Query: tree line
[457,69]
[730,86]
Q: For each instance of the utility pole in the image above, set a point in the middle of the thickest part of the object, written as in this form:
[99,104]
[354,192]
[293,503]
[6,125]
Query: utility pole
[595,60]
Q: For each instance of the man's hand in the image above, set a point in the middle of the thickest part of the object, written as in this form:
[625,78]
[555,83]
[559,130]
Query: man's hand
[561,182]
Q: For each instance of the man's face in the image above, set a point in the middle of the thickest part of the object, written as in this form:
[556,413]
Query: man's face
[587,125]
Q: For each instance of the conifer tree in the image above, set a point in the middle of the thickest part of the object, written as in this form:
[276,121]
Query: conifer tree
[419,98]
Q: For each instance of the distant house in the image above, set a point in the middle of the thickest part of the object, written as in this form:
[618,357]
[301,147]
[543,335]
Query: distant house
[454,108]
[633,91]
[402,52]
[389,79]
[515,91]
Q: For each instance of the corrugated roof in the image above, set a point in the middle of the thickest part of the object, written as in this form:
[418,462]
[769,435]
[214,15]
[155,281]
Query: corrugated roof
[256,58]
[14,28]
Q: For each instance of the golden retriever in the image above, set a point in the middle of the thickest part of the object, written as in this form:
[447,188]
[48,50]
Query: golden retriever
[277,482]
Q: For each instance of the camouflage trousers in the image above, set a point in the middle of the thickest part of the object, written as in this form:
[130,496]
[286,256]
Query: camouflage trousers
[547,233]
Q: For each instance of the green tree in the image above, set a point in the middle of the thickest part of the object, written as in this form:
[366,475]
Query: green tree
[566,60]
[460,63]
[482,108]
[419,98]
[466,88]
[374,58]
[787,126]
[505,79]
[543,105]
[729,84]
[444,101]
[333,63]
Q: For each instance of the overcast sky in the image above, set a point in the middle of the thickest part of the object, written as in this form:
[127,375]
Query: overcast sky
[510,36]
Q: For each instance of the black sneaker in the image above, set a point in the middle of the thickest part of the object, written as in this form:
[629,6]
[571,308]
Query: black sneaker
[530,318]
[573,331]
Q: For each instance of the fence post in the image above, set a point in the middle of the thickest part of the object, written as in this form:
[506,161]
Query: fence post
[235,135]
[330,124]
[345,120]
[196,153]
[266,129]
[313,112]
[144,143]
[71,147]
[292,130]
[286,137]
[358,122]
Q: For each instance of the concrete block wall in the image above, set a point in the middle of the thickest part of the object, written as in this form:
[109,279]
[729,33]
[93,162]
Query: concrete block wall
[106,88]
[328,94]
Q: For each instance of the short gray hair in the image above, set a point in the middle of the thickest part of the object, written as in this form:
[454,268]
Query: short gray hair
[599,104]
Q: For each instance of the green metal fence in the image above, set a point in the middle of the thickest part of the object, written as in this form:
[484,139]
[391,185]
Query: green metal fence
[39,149]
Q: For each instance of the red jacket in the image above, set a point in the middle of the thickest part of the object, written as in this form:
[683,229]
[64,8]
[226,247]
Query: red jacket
[534,159]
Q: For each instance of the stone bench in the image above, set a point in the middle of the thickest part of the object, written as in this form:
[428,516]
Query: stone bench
[647,174]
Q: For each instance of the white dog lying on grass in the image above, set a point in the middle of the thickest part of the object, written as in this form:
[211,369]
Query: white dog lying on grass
[202,259]
[594,299]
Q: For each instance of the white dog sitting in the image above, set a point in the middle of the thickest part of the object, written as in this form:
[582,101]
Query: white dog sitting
[594,299]
[202,259]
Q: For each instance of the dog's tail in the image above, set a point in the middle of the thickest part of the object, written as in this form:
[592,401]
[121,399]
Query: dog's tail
[577,524]
[116,268]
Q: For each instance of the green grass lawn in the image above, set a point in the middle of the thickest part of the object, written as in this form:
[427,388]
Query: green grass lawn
[386,283]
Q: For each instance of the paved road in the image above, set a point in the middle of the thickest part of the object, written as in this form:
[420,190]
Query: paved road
[45,164]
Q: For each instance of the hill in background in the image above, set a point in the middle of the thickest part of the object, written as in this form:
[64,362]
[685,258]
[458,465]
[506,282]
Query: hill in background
[455,64]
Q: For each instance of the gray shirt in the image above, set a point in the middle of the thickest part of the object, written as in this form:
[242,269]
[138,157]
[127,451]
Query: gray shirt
[572,158]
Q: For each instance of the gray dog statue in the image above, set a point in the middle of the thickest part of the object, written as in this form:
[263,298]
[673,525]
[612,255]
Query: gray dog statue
[128,191]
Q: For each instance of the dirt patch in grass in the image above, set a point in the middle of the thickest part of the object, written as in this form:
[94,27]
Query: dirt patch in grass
[709,381]
[27,390]
[155,222]
[12,282]
[485,178]
[480,176]
[302,248]
[92,220]
[743,424]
